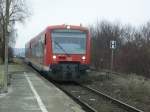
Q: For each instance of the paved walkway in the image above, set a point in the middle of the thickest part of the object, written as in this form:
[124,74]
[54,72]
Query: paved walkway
[31,93]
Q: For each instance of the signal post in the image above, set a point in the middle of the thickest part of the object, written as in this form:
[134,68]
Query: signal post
[113,47]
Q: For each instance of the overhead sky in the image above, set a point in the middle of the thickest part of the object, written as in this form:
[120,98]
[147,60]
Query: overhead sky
[52,12]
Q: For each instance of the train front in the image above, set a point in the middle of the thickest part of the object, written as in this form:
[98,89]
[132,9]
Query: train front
[70,53]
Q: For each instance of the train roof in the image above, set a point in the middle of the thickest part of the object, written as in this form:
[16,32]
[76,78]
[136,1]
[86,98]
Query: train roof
[63,26]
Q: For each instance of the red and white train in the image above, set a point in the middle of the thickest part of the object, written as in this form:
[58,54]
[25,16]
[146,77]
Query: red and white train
[63,51]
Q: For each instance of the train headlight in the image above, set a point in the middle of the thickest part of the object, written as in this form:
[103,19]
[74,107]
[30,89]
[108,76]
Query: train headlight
[54,57]
[68,27]
[83,57]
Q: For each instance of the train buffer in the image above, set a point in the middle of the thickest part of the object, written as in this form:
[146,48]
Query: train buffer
[29,92]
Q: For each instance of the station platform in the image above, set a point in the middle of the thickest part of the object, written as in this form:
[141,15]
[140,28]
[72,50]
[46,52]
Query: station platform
[30,92]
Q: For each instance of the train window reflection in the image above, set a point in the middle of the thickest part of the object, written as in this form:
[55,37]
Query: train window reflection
[69,42]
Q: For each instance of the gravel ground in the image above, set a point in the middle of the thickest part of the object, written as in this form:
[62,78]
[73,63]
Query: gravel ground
[132,89]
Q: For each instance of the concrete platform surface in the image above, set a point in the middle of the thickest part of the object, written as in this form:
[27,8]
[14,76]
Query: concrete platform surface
[31,93]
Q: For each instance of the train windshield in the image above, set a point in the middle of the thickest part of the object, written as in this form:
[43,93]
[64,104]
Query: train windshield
[68,42]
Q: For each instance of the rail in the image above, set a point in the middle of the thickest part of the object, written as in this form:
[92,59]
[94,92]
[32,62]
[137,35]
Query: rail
[118,102]
[84,105]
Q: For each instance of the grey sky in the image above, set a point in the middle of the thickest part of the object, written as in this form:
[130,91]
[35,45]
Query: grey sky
[51,12]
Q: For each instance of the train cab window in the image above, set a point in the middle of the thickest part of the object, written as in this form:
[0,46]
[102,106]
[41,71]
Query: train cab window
[70,41]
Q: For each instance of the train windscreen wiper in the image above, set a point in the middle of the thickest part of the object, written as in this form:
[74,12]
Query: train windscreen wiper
[61,48]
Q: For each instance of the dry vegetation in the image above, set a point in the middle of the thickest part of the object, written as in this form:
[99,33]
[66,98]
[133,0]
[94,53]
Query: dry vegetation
[15,67]
[132,54]
[18,12]
[132,89]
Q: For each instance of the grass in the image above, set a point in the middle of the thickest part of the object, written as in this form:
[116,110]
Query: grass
[132,89]
[17,61]
[136,91]
[13,67]
[1,61]
[1,75]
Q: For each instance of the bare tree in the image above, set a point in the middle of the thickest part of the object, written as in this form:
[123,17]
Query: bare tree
[17,13]
[133,47]
[102,34]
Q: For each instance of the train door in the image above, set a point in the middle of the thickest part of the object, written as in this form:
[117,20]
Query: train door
[44,49]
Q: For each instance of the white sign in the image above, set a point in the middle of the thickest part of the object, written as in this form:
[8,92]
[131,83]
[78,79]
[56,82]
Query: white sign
[112,44]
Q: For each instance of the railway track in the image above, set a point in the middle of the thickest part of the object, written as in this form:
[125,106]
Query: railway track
[91,99]
[118,102]
[84,105]
[88,105]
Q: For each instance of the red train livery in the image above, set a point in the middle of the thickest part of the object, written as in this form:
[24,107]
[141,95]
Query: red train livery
[63,51]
